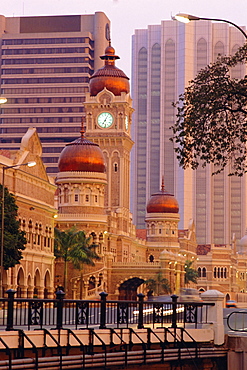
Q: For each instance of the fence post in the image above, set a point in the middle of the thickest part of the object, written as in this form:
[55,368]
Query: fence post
[60,296]
[103,296]
[174,298]
[214,314]
[140,317]
[10,310]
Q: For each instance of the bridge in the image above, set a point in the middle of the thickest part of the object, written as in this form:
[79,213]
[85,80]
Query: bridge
[65,334]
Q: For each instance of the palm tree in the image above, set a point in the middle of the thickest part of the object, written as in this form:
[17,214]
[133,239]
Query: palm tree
[73,246]
[158,284]
[190,273]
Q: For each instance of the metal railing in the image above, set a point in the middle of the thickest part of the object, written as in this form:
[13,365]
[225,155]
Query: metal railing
[60,313]
[121,349]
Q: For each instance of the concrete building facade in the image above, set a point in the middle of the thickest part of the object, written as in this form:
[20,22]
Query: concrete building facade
[46,62]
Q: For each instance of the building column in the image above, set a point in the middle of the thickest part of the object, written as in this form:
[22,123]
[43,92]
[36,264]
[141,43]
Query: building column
[85,290]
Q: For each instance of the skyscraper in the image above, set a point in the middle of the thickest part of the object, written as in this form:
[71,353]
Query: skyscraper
[46,63]
[165,58]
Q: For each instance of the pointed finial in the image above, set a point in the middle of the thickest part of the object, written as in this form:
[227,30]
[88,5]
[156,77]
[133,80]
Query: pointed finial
[163,184]
[83,129]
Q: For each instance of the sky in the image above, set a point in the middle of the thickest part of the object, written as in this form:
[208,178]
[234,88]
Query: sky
[128,15]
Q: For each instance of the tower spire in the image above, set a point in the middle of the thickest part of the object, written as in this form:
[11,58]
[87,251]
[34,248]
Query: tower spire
[83,128]
[163,184]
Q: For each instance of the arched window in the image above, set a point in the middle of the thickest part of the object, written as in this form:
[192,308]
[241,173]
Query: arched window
[218,274]
[221,273]
[91,282]
[76,194]
[152,229]
[225,273]
[201,54]
[237,70]
[199,271]
[204,272]
[151,258]
[30,230]
[215,272]
[115,167]
[155,85]
[218,50]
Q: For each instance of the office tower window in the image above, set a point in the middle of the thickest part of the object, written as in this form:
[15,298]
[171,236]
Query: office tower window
[142,134]
[201,173]
[155,117]
[169,98]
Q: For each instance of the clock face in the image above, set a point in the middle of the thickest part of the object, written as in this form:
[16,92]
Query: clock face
[105,119]
[126,122]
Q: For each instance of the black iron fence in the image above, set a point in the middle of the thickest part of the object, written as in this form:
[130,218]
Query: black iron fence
[59,313]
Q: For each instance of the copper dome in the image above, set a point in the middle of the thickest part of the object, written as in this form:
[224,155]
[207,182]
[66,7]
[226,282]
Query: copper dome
[109,76]
[81,155]
[162,202]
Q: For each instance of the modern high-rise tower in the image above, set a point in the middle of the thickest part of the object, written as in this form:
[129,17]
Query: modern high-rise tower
[46,63]
[165,58]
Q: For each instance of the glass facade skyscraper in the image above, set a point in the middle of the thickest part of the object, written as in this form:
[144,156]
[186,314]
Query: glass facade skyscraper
[165,58]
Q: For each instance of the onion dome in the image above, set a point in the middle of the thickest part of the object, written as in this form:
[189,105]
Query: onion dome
[81,155]
[162,202]
[243,241]
[109,76]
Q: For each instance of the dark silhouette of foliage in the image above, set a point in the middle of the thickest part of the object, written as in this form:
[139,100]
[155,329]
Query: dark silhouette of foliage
[73,246]
[14,238]
[211,124]
[158,284]
[191,274]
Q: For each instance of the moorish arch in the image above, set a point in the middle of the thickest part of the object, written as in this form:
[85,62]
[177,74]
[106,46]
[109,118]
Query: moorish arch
[20,282]
[128,289]
[47,284]
[228,297]
[201,290]
[5,281]
[29,287]
[37,281]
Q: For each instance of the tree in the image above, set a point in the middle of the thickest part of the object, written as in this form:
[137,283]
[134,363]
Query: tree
[211,122]
[190,273]
[158,284]
[14,238]
[73,246]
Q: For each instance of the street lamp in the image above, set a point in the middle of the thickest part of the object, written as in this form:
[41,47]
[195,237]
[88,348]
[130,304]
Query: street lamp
[186,18]
[4,168]
[3,100]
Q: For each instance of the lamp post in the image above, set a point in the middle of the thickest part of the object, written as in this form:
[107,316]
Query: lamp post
[186,18]
[4,168]
[3,100]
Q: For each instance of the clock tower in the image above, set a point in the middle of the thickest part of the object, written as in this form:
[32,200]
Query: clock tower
[108,108]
